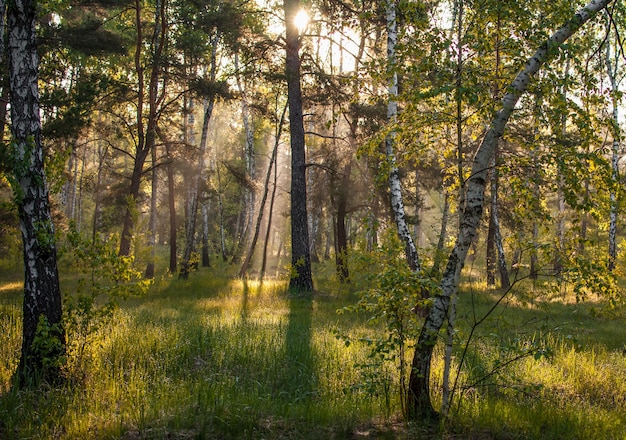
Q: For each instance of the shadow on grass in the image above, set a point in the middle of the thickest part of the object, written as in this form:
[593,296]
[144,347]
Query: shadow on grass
[583,324]
[299,376]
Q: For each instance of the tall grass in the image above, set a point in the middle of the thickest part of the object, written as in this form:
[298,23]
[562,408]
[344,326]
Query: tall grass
[217,357]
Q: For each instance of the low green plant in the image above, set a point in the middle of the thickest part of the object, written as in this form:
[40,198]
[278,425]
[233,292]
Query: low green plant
[105,279]
[392,301]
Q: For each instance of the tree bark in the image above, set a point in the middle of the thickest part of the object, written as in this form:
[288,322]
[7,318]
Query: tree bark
[395,186]
[301,278]
[615,152]
[152,226]
[341,247]
[42,294]
[206,259]
[419,402]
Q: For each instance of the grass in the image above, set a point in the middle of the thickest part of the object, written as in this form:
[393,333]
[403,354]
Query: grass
[214,357]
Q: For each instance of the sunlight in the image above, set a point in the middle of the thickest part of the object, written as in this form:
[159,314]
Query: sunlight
[301,20]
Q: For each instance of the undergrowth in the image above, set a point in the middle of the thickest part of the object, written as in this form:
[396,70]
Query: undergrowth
[216,357]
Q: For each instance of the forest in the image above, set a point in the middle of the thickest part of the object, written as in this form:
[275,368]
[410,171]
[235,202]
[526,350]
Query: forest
[305,219]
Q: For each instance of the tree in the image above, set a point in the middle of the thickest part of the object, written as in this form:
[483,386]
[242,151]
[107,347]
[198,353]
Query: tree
[301,278]
[154,93]
[43,337]
[612,67]
[419,401]
[395,188]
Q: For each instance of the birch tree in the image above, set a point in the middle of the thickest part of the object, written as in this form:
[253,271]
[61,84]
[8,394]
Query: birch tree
[419,400]
[612,58]
[42,295]
[198,178]
[395,186]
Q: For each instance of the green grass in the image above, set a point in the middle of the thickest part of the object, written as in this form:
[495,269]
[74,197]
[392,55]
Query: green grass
[214,357]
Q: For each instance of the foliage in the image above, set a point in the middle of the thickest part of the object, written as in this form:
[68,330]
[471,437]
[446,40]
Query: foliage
[393,301]
[47,346]
[105,279]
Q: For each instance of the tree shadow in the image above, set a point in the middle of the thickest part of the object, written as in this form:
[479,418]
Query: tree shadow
[299,378]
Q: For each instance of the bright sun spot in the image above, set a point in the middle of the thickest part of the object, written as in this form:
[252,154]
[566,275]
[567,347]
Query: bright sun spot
[301,20]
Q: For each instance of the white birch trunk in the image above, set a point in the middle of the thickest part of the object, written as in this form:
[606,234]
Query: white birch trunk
[420,404]
[249,159]
[395,186]
[615,155]
[42,294]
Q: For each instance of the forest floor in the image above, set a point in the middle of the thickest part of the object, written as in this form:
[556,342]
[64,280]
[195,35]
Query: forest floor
[215,357]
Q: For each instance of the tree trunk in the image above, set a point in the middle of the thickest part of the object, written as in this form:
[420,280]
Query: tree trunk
[269,217]
[341,246]
[152,226]
[42,294]
[419,402]
[206,260]
[249,189]
[443,234]
[301,278]
[266,187]
[615,151]
[395,187]
[197,181]
[171,202]
[146,133]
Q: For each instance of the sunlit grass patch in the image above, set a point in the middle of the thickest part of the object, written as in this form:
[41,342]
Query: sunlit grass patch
[11,287]
[218,357]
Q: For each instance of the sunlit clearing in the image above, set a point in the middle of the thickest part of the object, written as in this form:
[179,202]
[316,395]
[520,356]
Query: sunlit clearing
[301,20]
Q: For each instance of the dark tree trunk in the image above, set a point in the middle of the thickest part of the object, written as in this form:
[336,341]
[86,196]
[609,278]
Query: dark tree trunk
[146,130]
[152,227]
[491,250]
[171,201]
[133,197]
[42,294]
[341,249]
[301,278]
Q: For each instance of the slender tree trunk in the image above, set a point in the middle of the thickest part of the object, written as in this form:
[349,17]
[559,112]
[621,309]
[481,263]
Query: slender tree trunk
[301,278]
[497,236]
[206,260]
[146,130]
[269,219]
[171,203]
[198,179]
[249,189]
[419,401]
[42,295]
[615,154]
[395,186]
[257,229]
[152,227]
[491,250]
[102,153]
[341,246]
[560,229]
[220,207]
